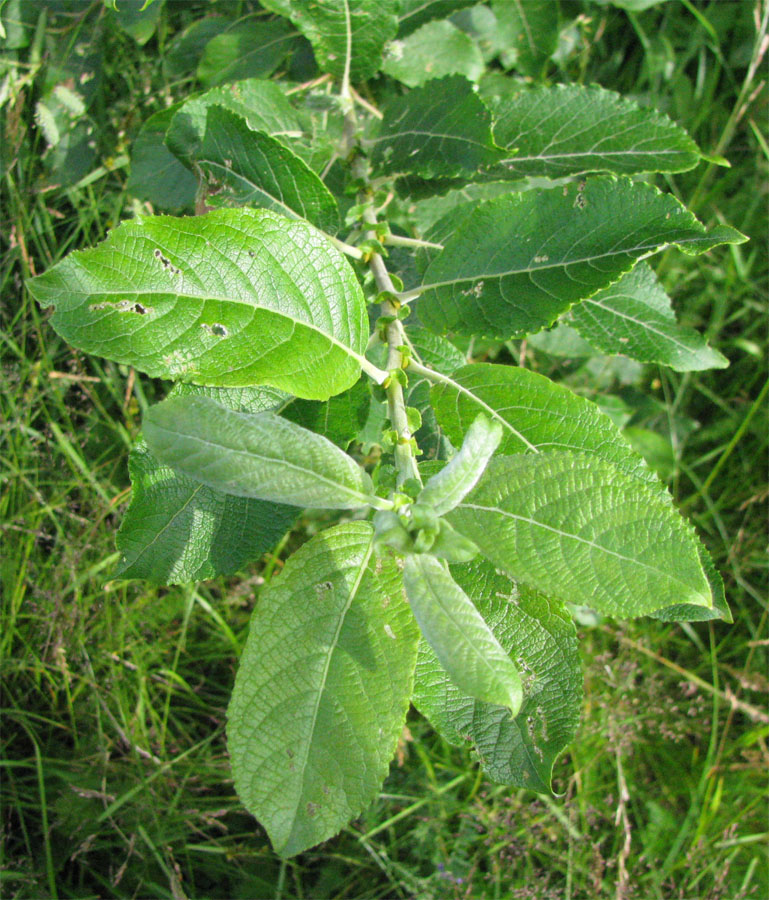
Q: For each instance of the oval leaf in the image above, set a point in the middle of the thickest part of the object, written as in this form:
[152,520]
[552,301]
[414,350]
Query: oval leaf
[262,456]
[249,168]
[466,648]
[516,263]
[322,688]
[232,298]
[436,49]
[580,530]
[570,129]
[539,635]
[635,317]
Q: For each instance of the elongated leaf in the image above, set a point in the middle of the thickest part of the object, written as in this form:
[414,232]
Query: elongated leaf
[539,635]
[635,317]
[322,688]
[578,529]
[536,415]
[177,530]
[529,30]
[262,456]
[436,49]
[445,490]
[463,643]
[245,167]
[570,129]
[232,298]
[156,174]
[261,103]
[346,35]
[250,49]
[518,262]
[441,129]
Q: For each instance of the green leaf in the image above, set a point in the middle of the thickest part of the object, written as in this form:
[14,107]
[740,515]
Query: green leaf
[580,530]
[262,456]
[346,35]
[516,263]
[434,351]
[436,49]
[529,30]
[184,52]
[539,635]
[413,13]
[472,657]
[445,490]
[340,419]
[322,689]
[232,298]
[536,415]
[156,174]
[137,18]
[441,129]
[686,612]
[177,530]
[571,129]
[635,317]
[261,103]
[246,167]
[250,49]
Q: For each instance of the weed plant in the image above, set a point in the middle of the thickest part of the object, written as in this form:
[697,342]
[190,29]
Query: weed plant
[115,779]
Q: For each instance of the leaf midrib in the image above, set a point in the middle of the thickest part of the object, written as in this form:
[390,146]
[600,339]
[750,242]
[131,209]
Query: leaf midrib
[578,539]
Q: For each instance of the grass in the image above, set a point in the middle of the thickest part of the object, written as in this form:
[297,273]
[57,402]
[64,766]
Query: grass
[115,781]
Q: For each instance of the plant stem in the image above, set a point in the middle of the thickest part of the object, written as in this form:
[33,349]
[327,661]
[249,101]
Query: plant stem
[405,461]
[397,240]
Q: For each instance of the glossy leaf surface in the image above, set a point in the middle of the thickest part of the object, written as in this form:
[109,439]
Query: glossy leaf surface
[232,298]
[262,456]
[578,529]
[516,263]
[177,530]
[539,636]
[462,641]
[571,129]
[635,317]
[246,167]
[322,689]
[439,130]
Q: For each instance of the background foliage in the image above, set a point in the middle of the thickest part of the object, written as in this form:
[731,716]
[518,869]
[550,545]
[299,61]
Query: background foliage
[115,779]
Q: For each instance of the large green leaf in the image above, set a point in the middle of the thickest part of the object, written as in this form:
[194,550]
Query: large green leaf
[156,174]
[262,456]
[580,530]
[569,129]
[346,35]
[322,688]
[177,530]
[539,635]
[441,129]
[245,167]
[261,103]
[529,31]
[634,316]
[251,49]
[436,49]
[341,418]
[446,488]
[232,298]
[516,263]
[462,641]
[536,414]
